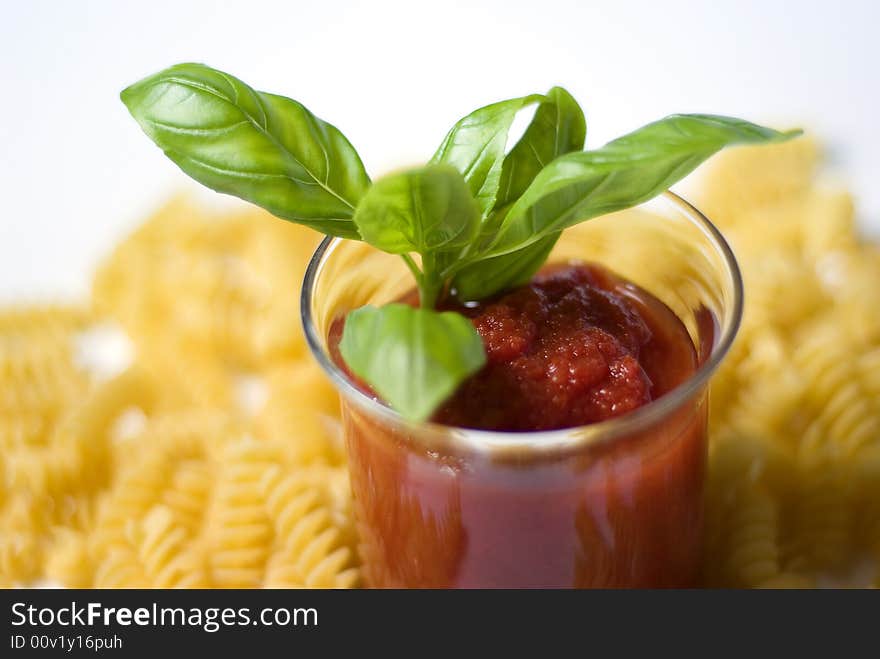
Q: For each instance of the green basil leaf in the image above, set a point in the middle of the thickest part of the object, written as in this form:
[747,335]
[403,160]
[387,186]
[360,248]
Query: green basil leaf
[489,276]
[422,210]
[266,149]
[475,147]
[625,172]
[413,358]
[558,127]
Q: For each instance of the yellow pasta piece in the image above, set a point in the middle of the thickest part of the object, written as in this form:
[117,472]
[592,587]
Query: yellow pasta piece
[743,178]
[302,408]
[68,561]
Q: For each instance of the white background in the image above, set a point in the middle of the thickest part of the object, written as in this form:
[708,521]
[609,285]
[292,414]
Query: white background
[77,173]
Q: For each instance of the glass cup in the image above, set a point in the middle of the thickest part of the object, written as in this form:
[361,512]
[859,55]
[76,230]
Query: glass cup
[613,504]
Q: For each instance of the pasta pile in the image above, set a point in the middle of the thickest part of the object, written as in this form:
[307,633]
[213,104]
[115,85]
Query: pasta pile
[214,458]
[177,472]
[794,491]
[49,474]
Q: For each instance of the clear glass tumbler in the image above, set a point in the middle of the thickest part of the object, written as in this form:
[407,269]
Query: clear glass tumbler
[612,504]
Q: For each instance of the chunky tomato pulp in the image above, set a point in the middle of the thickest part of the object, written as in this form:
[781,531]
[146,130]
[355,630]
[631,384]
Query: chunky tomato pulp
[578,345]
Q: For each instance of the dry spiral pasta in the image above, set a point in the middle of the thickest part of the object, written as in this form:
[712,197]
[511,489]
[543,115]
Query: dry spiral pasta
[753,522]
[42,467]
[800,382]
[157,477]
[313,534]
[168,475]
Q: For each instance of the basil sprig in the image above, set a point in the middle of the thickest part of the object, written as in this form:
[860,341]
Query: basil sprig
[474,221]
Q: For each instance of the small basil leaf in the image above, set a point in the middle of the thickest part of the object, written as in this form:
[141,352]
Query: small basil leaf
[475,147]
[489,276]
[422,210]
[558,127]
[266,149]
[413,358]
[626,172]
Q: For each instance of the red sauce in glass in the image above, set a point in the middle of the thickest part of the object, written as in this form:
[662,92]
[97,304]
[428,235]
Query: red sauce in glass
[576,346]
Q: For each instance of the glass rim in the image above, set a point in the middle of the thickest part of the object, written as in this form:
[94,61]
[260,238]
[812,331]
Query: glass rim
[541,441]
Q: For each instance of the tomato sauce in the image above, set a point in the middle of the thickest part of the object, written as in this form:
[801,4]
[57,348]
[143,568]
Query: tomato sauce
[576,346]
